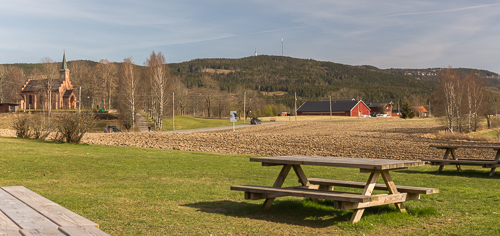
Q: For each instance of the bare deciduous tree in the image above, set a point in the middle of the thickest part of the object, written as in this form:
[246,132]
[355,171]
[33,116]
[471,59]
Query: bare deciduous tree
[447,82]
[128,87]
[50,82]
[107,73]
[475,92]
[12,83]
[159,77]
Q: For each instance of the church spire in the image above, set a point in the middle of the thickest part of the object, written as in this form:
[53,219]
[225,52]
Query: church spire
[64,66]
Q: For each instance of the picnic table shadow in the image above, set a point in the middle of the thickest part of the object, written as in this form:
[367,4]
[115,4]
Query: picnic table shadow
[287,211]
[455,173]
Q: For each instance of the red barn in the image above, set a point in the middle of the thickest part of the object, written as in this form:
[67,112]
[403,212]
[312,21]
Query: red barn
[340,107]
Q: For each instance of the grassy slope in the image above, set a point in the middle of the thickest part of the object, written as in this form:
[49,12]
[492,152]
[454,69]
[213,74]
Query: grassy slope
[139,191]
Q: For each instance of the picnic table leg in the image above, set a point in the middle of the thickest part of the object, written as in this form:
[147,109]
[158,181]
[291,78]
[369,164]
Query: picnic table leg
[277,184]
[392,189]
[370,185]
[455,158]
[444,158]
[302,176]
[497,157]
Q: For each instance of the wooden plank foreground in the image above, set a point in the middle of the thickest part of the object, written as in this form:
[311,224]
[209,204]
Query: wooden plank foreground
[23,212]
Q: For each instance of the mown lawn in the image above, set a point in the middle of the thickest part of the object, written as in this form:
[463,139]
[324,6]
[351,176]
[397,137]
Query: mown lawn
[140,191]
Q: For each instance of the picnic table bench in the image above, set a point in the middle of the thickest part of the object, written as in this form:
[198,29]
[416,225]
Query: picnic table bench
[450,150]
[24,212]
[316,188]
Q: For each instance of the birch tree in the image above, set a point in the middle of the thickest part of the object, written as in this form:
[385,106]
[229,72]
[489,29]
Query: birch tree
[475,93]
[160,79]
[447,85]
[128,87]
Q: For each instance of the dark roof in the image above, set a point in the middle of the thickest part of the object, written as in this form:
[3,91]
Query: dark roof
[9,104]
[37,85]
[324,106]
[376,104]
[67,93]
[64,66]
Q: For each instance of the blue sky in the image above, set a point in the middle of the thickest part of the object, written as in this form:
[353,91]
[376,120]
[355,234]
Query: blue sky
[385,34]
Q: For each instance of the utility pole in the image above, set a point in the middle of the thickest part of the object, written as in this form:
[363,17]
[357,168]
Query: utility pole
[429,108]
[295,106]
[173,111]
[330,107]
[244,107]
[80,99]
[399,108]
[281,46]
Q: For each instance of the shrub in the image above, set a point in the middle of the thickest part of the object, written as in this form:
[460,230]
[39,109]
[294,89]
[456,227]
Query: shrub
[72,126]
[41,127]
[21,125]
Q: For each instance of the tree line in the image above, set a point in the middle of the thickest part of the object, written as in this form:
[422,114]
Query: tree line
[463,99]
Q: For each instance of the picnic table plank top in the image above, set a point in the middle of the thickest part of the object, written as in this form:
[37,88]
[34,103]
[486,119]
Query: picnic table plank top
[442,146]
[362,163]
[55,212]
[24,212]
[24,216]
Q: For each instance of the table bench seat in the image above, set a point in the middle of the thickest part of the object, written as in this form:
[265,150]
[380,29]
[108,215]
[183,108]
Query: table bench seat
[450,149]
[487,163]
[353,184]
[343,200]
[464,146]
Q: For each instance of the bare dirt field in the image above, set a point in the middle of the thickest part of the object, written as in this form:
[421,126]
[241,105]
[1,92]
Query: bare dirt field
[386,139]
[363,139]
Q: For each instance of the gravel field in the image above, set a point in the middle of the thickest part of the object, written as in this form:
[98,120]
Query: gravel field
[365,139]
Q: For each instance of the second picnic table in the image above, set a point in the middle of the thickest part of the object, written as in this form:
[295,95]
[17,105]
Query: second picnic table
[316,188]
[450,150]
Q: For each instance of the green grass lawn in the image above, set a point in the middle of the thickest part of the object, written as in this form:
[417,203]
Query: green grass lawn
[141,191]
[188,122]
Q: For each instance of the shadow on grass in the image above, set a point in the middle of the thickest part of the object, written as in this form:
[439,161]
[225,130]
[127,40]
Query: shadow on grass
[452,171]
[302,212]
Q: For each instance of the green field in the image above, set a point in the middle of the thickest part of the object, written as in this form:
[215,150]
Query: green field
[188,122]
[142,191]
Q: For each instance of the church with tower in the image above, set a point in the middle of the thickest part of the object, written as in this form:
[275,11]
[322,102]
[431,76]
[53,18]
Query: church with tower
[34,92]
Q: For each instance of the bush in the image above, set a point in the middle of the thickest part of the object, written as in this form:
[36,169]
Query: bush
[72,126]
[22,125]
[41,127]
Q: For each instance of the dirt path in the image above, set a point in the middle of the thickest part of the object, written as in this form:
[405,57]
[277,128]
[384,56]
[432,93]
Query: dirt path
[141,123]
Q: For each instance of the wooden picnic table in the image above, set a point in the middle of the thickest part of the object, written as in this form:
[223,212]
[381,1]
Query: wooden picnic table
[23,212]
[317,188]
[450,150]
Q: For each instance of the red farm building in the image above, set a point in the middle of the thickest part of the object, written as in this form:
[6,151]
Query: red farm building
[380,108]
[339,107]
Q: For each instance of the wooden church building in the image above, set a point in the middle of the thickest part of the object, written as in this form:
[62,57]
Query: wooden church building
[34,92]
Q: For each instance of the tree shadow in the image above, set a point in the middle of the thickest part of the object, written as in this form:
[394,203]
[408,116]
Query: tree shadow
[306,213]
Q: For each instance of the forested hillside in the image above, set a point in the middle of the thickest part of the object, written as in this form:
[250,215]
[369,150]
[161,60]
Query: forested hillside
[308,78]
